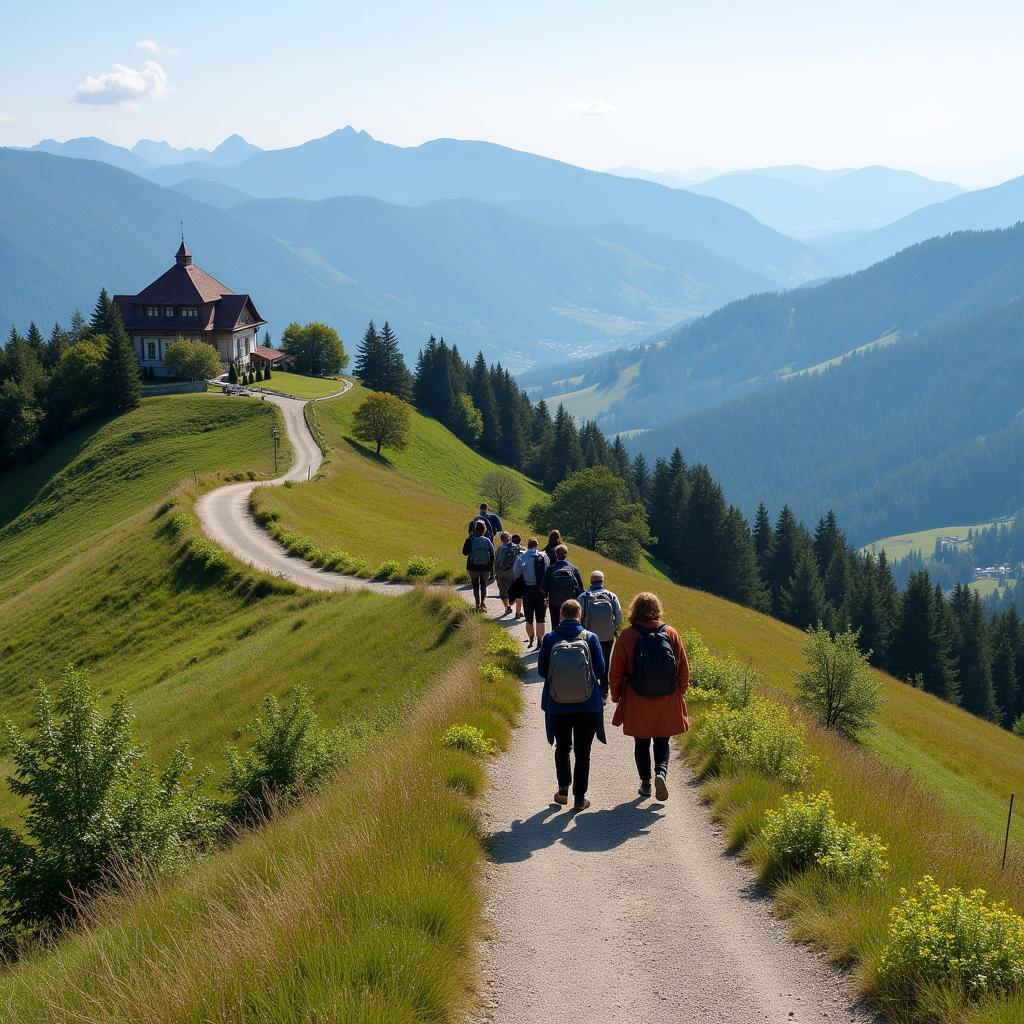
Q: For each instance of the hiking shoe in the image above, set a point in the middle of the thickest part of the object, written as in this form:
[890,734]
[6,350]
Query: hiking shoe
[661,788]
[562,797]
[644,790]
[581,805]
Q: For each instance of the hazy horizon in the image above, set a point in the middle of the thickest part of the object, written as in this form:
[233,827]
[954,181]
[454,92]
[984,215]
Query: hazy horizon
[922,88]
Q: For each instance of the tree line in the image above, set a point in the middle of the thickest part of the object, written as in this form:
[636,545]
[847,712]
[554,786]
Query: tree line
[51,386]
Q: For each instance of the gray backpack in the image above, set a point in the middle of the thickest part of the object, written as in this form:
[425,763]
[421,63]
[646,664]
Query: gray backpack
[569,677]
[600,617]
[563,586]
[507,555]
[480,553]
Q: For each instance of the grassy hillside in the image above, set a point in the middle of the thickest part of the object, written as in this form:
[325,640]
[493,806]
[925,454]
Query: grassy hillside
[921,541]
[418,502]
[379,862]
[300,386]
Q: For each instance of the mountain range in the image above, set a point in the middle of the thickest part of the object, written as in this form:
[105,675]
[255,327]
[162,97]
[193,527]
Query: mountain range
[146,155]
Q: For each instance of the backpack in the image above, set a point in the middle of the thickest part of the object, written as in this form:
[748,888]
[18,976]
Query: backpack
[480,553]
[654,663]
[570,680]
[489,533]
[507,555]
[563,586]
[600,617]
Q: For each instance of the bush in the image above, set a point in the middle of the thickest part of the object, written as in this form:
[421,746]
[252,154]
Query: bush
[948,937]
[804,831]
[1018,726]
[209,556]
[758,736]
[386,570]
[470,739]
[290,752]
[97,810]
[192,360]
[420,566]
[838,686]
[183,522]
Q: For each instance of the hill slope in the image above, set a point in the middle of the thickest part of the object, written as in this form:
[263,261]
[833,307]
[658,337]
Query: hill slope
[998,207]
[348,162]
[805,201]
[755,341]
[926,431]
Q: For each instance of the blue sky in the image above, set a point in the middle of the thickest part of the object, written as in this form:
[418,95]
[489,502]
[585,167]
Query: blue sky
[935,87]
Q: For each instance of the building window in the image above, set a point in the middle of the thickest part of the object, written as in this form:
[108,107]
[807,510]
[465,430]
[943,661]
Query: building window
[152,311]
[190,311]
[168,311]
[151,350]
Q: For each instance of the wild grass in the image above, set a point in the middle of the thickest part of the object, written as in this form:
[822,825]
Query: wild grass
[361,904]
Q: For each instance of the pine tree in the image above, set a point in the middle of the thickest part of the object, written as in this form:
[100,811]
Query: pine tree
[917,652]
[869,614]
[975,662]
[267,343]
[828,539]
[740,574]
[564,456]
[803,599]
[370,364]
[396,378]
[56,345]
[35,340]
[121,381]
[79,326]
[620,460]
[763,535]
[702,533]
[1005,682]
[482,393]
[640,479]
[783,557]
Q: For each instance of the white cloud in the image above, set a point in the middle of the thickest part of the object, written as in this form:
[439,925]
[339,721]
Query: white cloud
[8,118]
[592,108]
[152,46]
[122,85]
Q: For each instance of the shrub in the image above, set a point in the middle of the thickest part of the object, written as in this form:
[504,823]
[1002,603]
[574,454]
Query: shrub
[468,738]
[420,566]
[1018,726]
[209,556]
[759,736]
[492,674]
[337,560]
[290,752]
[266,516]
[386,570]
[96,807]
[803,831]
[949,937]
[192,360]
[183,522]
[838,686]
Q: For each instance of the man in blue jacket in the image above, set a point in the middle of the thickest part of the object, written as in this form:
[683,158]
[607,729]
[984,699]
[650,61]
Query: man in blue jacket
[571,664]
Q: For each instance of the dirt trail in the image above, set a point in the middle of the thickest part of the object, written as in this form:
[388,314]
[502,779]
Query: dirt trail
[630,911]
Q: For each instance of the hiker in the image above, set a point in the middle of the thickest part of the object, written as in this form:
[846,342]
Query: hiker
[504,566]
[602,615]
[529,570]
[649,677]
[561,582]
[492,522]
[571,664]
[554,539]
[479,552]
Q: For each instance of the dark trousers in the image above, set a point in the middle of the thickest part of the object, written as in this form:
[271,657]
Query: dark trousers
[642,753]
[576,729]
[606,650]
[480,578]
[555,610]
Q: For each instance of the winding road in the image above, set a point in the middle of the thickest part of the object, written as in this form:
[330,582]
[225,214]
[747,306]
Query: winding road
[630,911]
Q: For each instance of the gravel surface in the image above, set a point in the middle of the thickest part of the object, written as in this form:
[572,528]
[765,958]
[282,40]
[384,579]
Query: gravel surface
[630,911]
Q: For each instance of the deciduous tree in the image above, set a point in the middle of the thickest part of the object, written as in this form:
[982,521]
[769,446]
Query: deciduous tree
[383,420]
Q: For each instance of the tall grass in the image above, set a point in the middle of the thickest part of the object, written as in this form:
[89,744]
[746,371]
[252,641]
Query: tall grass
[362,904]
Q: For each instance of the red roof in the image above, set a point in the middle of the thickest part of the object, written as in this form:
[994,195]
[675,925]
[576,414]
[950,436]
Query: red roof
[270,354]
[185,285]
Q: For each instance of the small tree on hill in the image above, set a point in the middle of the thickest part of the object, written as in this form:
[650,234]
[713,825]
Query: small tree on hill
[837,684]
[192,360]
[466,423]
[592,508]
[121,383]
[383,420]
[502,489]
[316,348]
[94,804]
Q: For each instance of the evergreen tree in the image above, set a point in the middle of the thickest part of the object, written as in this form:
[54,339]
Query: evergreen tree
[702,533]
[121,381]
[828,539]
[640,479]
[620,461]
[482,393]
[763,535]
[56,345]
[35,340]
[267,343]
[396,378]
[838,590]
[1005,682]
[79,327]
[740,574]
[975,661]
[869,614]
[783,557]
[370,366]
[803,599]
[564,456]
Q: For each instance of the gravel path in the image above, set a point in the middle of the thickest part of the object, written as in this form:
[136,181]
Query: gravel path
[630,911]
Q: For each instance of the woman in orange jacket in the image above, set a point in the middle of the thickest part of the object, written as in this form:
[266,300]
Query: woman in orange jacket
[649,676]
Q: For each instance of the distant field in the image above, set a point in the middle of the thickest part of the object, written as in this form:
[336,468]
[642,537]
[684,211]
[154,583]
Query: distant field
[299,386]
[890,338]
[587,403]
[903,544]
[988,587]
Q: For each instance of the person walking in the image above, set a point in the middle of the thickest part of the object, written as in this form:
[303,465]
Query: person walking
[530,567]
[479,552]
[492,522]
[504,565]
[571,664]
[602,614]
[562,582]
[649,677]
[554,539]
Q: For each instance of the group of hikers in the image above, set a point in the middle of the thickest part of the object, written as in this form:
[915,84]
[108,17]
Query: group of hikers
[587,657]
